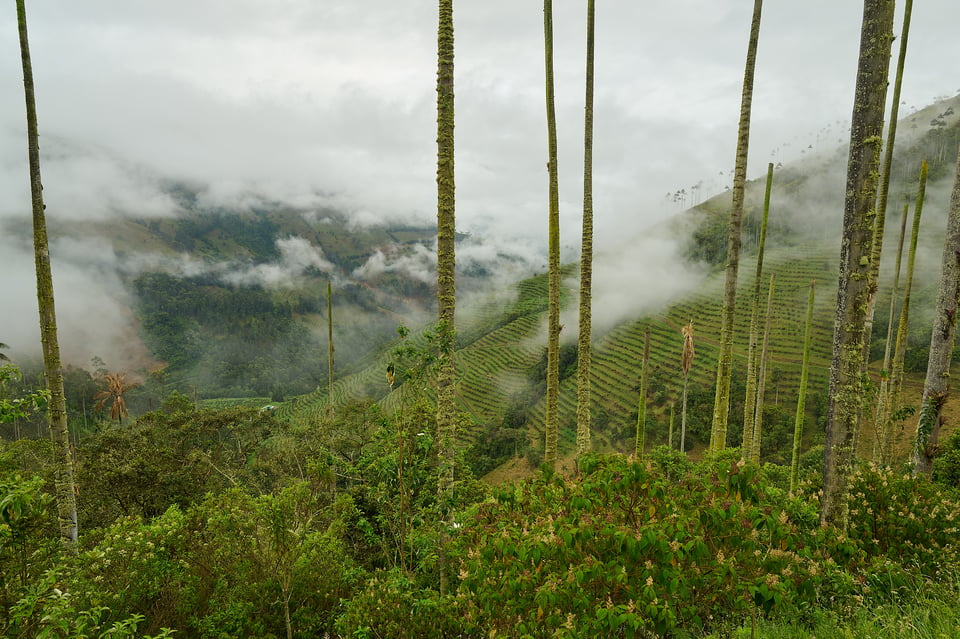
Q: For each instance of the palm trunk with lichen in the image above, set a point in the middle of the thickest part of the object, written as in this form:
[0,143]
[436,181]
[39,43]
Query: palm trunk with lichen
[936,388]
[762,378]
[844,406]
[721,406]
[552,426]
[56,408]
[642,405]
[586,255]
[446,285]
[802,393]
[750,399]
[884,188]
[894,400]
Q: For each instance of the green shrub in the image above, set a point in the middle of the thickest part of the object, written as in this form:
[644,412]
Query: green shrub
[627,549]
[394,605]
[233,565]
[946,465]
[905,519]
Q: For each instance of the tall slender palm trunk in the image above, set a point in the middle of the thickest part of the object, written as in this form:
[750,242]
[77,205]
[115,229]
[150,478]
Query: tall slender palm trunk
[56,408]
[586,255]
[721,406]
[446,286]
[552,426]
[762,377]
[686,361]
[880,411]
[936,388]
[888,344]
[802,394]
[844,406]
[670,428]
[750,400]
[642,404]
[329,349]
[884,188]
[893,400]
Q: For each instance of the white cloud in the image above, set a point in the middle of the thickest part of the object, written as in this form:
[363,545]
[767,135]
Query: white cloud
[417,262]
[331,104]
[297,255]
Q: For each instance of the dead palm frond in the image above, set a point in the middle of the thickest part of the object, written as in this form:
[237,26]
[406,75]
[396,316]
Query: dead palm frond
[686,359]
[117,386]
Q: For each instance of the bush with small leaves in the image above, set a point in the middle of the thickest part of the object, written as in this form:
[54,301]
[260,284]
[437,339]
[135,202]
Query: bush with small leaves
[946,465]
[627,549]
[906,519]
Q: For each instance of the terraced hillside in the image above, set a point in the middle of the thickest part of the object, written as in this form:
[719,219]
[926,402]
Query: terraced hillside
[617,355]
[499,346]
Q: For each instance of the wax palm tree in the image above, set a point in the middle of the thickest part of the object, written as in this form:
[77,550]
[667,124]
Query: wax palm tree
[880,412]
[446,283]
[802,394]
[894,388]
[936,388]
[116,387]
[686,360]
[750,401]
[329,349]
[761,378]
[57,406]
[642,405]
[884,188]
[844,406]
[586,255]
[721,406]
[552,426]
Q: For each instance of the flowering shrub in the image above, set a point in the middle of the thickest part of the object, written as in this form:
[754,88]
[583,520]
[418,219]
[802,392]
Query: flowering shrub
[627,549]
[908,520]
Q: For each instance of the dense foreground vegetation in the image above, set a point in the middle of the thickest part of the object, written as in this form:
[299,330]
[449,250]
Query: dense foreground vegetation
[232,523]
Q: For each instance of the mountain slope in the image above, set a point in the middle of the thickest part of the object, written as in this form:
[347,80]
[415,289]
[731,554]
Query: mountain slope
[498,361]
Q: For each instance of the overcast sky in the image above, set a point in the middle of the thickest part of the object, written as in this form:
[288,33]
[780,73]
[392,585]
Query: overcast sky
[319,101]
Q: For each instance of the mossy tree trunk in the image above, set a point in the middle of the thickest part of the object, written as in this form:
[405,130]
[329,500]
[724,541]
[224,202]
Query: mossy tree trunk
[56,408]
[642,404]
[936,388]
[721,407]
[802,393]
[884,188]
[844,406]
[552,426]
[893,400]
[750,400]
[586,255]
[446,286]
[762,378]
